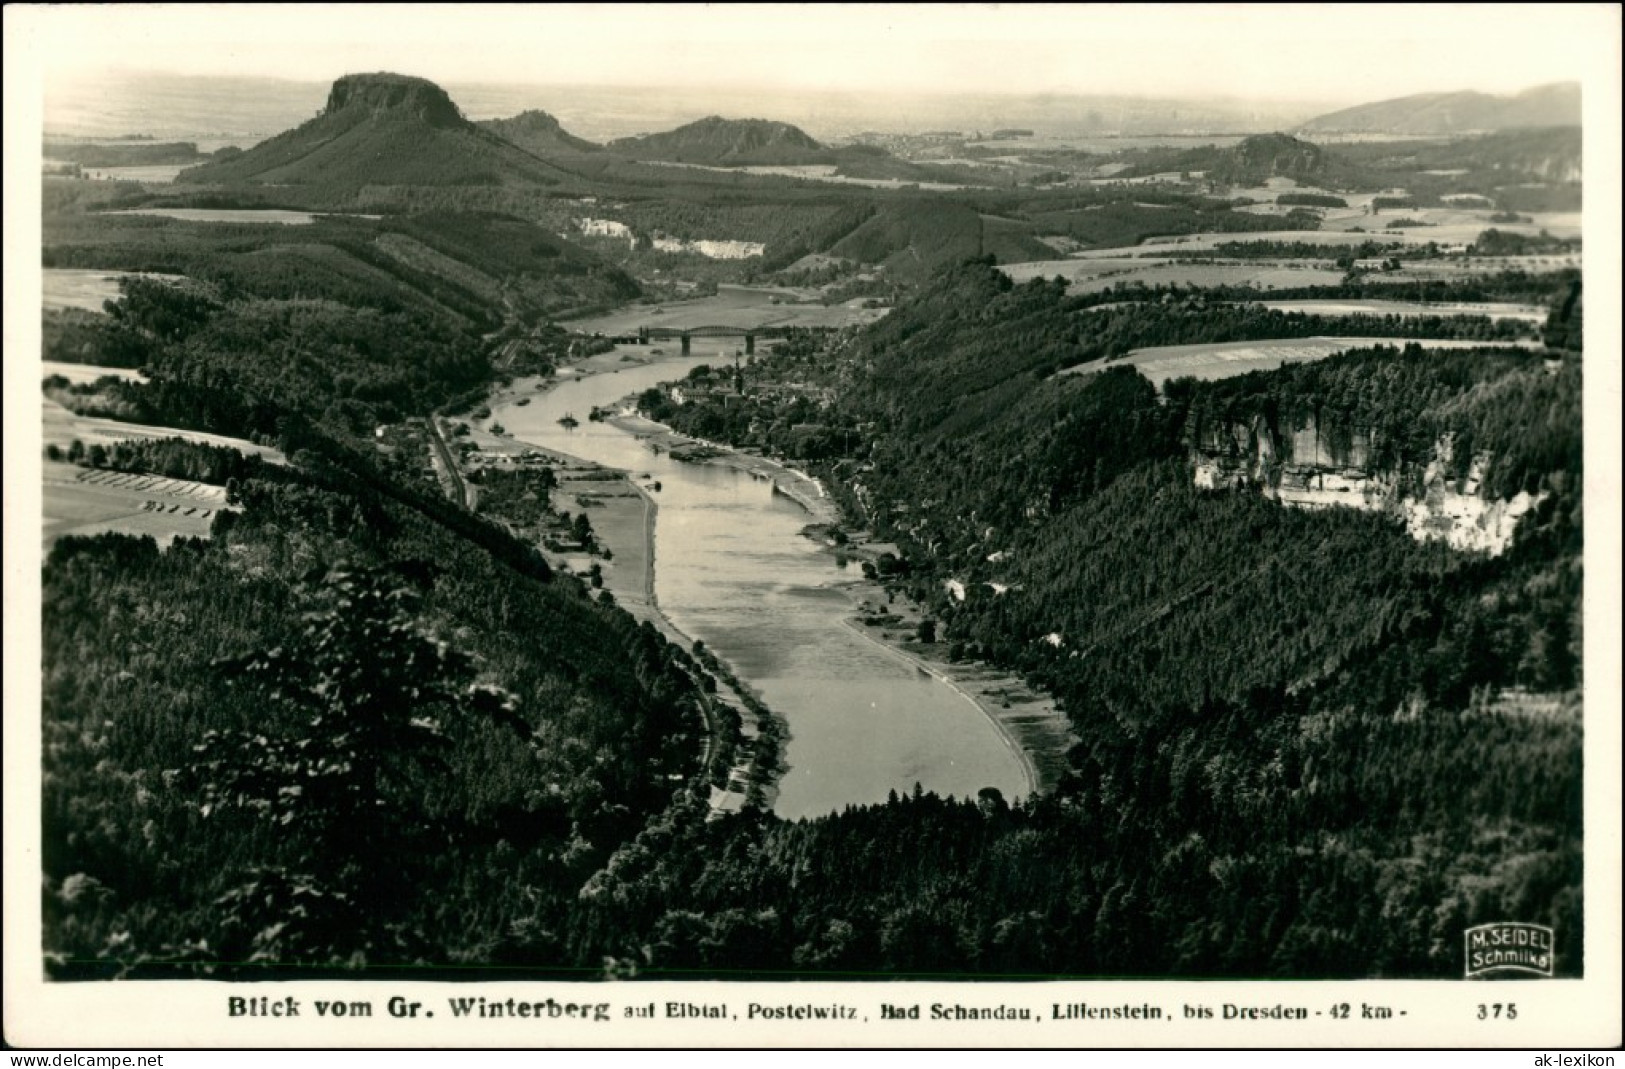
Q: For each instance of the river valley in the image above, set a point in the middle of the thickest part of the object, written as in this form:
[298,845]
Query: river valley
[733,570]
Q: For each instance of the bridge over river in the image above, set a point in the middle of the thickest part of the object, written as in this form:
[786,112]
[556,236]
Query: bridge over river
[645,335]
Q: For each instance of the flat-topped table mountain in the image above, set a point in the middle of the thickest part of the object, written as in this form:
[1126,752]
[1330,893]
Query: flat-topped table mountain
[382,129]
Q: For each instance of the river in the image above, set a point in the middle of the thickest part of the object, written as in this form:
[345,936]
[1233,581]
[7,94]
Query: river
[732,569]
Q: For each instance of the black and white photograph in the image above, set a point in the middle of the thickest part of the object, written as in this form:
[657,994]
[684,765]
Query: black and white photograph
[812,525]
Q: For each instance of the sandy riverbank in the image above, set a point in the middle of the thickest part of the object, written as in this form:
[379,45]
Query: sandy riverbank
[1029,770]
[1030,721]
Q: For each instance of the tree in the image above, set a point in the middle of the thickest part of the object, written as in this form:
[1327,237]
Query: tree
[928,631]
[341,766]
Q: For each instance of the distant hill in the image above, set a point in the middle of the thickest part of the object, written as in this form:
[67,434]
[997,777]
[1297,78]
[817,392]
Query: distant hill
[381,130]
[538,133]
[1265,156]
[914,239]
[716,141]
[124,154]
[1545,154]
[1456,113]
[1251,160]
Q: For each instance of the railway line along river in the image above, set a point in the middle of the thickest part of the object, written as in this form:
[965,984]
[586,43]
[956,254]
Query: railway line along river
[733,570]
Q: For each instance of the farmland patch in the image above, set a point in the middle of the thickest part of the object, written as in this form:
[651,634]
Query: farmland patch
[85,501]
[1223,360]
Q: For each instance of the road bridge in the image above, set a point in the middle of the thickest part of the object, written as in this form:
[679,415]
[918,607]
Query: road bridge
[750,334]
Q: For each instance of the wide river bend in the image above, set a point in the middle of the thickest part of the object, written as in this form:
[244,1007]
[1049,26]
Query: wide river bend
[733,570]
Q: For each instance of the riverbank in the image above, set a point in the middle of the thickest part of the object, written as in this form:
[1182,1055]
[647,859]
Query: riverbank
[1028,768]
[989,731]
[1030,724]
[623,511]
[800,487]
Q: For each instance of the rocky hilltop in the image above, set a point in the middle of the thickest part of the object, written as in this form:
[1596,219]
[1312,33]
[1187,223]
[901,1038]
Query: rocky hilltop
[1301,463]
[718,141]
[381,131]
[396,97]
[1265,156]
[539,133]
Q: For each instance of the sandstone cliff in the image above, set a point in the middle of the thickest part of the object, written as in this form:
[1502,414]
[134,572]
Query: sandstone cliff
[1299,463]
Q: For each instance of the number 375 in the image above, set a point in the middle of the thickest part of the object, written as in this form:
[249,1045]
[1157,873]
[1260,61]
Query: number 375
[1498,1011]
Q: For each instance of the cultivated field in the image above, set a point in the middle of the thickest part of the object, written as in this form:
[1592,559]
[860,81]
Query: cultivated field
[1529,313]
[1223,360]
[1096,274]
[151,174]
[816,172]
[72,287]
[235,215]
[82,501]
[1488,265]
[61,427]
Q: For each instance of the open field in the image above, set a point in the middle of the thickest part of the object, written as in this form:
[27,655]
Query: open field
[84,501]
[82,373]
[1447,226]
[733,306]
[1174,245]
[1450,225]
[1529,313]
[1093,275]
[1223,360]
[1489,265]
[1106,143]
[74,287]
[235,215]
[61,427]
[816,172]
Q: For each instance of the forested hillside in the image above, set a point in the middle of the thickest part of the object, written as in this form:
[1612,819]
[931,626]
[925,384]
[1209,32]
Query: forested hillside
[338,735]
[1307,736]
[359,727]
[362,728]
[448,264]
[725,142]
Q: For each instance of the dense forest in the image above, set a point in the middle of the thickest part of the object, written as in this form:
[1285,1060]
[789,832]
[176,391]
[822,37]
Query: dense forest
[337,735]
[1297,714]
[1247,733]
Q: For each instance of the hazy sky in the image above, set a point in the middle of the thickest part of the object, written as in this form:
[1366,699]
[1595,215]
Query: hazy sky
[1323,53]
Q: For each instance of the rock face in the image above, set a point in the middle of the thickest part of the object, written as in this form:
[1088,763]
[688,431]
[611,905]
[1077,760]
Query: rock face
[379,132]
[394,96]
[1299,464]
[1265,156]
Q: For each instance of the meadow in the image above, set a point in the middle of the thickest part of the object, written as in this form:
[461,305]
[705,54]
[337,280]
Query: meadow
[1222,360]
[84,501]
